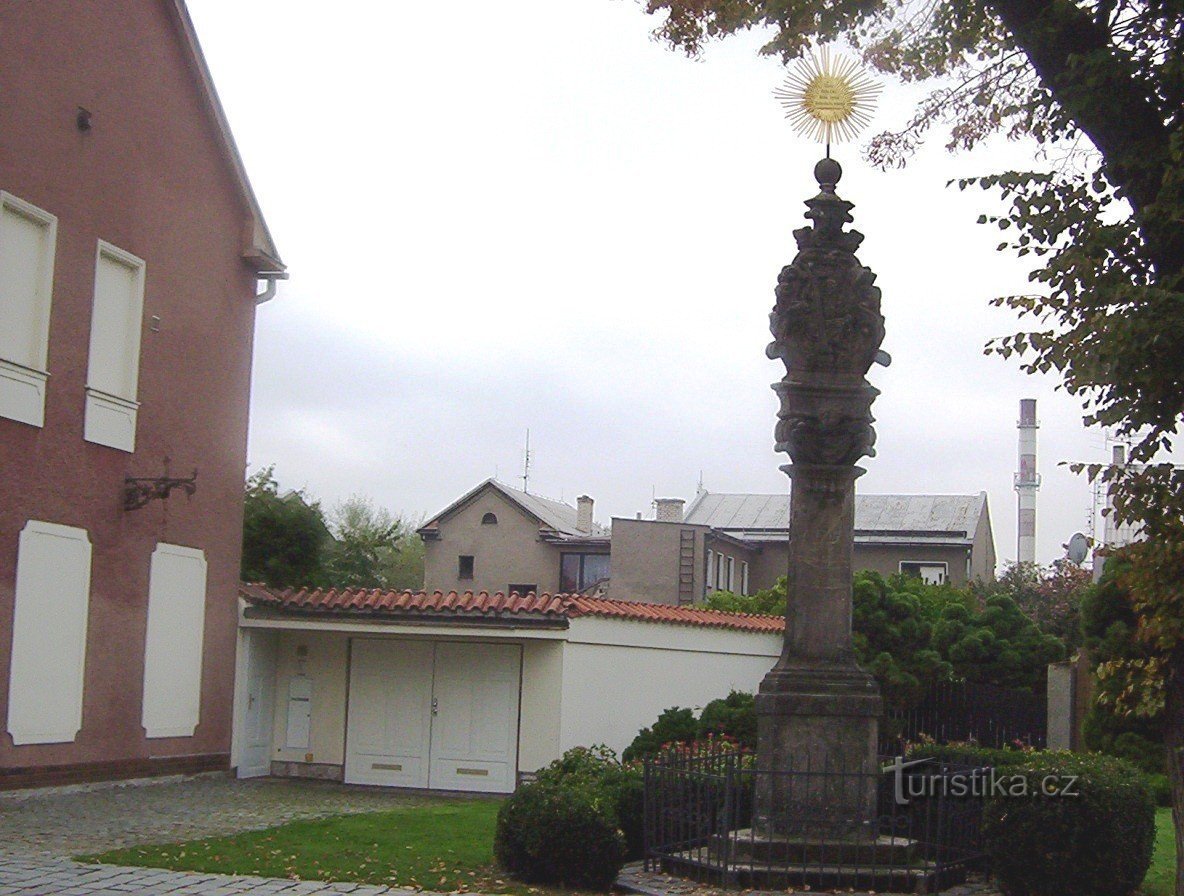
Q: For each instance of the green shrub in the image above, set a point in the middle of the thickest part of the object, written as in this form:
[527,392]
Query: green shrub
[1161,790]
[1097,843]
[624,786]
[560,833]
[733,716]
[674,725]
[972,754]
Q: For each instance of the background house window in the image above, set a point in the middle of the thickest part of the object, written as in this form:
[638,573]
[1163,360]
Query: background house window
[719,572]
[710,578]
[731,574]
[580,571]
[929,571]
[28,236]
[490,519]
[464,566]
[522,589]
[113,368]
[743,577]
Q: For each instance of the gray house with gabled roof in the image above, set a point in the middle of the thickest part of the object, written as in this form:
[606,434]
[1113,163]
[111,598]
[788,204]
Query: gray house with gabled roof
[498,538]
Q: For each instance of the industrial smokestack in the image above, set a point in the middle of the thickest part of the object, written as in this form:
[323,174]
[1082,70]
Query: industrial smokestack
[1027,482]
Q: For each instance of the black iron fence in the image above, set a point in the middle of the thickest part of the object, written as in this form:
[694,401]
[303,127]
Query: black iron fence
[959,711]
[712,815]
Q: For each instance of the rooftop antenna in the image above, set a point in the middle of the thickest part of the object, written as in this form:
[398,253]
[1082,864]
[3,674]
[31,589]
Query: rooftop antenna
[526,465]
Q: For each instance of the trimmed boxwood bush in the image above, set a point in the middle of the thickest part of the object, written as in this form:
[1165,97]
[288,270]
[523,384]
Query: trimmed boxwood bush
[577,824]
[624,786]
[1095,844]
[560,834]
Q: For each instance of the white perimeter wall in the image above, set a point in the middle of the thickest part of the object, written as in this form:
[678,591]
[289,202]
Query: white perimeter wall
[618,675]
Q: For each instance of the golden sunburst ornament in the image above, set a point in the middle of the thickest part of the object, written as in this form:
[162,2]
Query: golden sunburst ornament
[828,98]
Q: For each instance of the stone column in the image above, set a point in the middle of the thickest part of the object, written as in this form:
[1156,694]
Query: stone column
[817,711]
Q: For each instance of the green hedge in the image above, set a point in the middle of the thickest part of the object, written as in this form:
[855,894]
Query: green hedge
[563,835]
[1097,843]
[576,824]
[732,717]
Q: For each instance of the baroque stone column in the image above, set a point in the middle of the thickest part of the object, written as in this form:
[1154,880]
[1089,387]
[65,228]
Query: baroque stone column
[817,710]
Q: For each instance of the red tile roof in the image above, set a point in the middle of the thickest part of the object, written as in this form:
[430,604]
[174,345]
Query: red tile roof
[482,604]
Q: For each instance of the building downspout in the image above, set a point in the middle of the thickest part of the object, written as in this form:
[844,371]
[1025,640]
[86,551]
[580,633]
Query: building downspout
[272,278]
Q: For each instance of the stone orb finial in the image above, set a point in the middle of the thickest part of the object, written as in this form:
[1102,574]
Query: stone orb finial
[827,172]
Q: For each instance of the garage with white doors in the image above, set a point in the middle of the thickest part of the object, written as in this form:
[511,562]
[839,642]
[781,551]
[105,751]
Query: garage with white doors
[433,714]
[469,692]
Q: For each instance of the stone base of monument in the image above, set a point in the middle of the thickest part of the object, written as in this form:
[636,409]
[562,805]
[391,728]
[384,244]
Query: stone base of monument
[885,864]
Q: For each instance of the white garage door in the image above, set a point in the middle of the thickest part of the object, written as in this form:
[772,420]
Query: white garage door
[441,715]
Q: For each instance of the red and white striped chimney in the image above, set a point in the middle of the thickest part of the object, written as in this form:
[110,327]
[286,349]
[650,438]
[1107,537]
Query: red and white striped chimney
[1027,483]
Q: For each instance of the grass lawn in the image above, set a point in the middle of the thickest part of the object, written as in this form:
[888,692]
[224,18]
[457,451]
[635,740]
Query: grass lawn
[442,845]
[1161,876]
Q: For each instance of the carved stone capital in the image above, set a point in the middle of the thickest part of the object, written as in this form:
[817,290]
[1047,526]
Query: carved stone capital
[825,425]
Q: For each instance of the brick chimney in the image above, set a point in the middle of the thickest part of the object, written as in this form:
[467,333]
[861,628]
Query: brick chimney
[584,513]
[669,510]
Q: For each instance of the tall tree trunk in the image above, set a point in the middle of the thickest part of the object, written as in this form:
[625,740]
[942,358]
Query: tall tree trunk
[1174,741]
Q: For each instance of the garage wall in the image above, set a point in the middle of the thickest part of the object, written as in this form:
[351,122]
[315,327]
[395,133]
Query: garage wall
[619,675]
[324,666]
[542,700]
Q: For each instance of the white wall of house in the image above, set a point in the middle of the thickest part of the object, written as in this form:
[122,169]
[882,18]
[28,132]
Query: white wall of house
[542,704]
[618,675]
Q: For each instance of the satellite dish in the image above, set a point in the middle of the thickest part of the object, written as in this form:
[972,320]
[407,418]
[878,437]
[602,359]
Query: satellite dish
[1077,547]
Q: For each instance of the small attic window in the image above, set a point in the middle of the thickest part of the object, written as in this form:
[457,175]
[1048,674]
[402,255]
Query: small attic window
[490,519]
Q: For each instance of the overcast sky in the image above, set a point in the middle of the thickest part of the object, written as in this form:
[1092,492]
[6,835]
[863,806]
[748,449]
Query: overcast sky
[510,215]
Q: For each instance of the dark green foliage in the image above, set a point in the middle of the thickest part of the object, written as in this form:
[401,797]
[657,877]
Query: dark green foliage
[287,541]
[597,767]
[372,548]
[892,623]
[284,536]
[560,833]
[911,635]
[971,754]
[674,725]
[733,716]
[769,602]
[1108,625]
[998,645]
[1096,844]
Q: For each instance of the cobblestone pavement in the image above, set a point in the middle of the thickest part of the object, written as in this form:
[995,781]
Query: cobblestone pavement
[40,830]
[66,823]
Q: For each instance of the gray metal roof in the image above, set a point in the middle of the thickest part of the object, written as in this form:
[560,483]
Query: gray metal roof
[877,517]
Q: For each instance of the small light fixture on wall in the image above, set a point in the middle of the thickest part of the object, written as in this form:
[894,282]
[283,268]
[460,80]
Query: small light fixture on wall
[138,492]
[82,119]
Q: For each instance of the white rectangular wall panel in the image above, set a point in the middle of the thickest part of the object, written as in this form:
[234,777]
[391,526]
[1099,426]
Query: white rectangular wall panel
[45,681]
[113,365]
[173,648]
[28,237]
